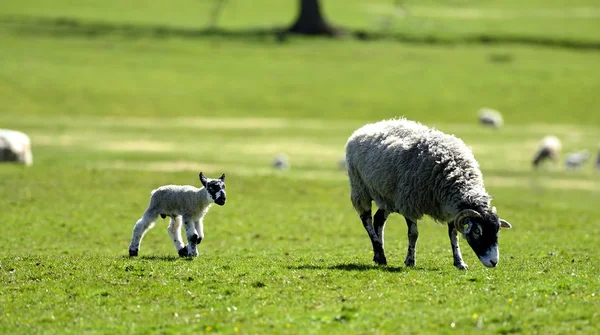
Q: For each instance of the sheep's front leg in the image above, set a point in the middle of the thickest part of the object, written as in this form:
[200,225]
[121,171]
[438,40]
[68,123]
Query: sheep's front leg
[174,231]
[458,260]
[379,255]
[379,224]
[192,237]
[413,236]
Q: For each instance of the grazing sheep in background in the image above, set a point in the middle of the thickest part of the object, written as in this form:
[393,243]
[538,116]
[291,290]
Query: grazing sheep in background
[598,161]
[342,164]
[410,169]
[182,203]
[575,160]
[281,162]
[15,146]
[549,148]
[490,117]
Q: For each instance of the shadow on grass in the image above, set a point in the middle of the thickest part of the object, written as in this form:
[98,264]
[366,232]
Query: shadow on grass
[65,26]
[160,258]
[350,267]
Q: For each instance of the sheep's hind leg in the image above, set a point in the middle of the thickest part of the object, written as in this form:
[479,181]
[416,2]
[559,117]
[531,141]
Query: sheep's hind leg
[192,238]
[142,226]
[413,236]
[458,260]
[174,231]
[379,255]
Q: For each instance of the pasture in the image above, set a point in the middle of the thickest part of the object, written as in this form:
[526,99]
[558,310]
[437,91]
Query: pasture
[113,115]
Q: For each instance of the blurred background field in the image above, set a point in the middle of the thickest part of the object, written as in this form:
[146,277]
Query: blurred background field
[120,97]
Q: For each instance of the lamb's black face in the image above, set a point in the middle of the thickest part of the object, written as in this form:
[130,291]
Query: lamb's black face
[482,236]
[216,188]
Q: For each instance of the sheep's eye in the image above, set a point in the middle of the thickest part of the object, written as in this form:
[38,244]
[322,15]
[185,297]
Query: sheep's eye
[476,231]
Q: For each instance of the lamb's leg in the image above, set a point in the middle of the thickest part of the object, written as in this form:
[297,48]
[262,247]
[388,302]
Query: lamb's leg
[174,230]
[199,225]
[192,237]
[379,255]
[458,260]
[144,224]
[413,236]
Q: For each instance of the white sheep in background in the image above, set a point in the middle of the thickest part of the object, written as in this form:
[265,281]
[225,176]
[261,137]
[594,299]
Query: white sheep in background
[575,160]
[15,146]
[182,203]
[490,117]
[549,148]
[281,161]
[598,161]
[410,169]
[342,164]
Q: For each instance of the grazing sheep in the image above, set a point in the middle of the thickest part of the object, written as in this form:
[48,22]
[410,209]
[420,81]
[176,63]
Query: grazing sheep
[281,162]
[490,117]
[182,203]
[15,146]
[410,169]
[598,161]
[549,148]
[575,160]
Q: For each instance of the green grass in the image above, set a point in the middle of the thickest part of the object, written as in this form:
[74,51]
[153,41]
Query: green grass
[114,116]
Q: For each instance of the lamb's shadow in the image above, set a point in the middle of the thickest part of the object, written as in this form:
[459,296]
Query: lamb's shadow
[350,267]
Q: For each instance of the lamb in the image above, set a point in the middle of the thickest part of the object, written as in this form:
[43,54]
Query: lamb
[490,117]
[413,170]
[549,148]
[575,160]
[15,146]
[181,203]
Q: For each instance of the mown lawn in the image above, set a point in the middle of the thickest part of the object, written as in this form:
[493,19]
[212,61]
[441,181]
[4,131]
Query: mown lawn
[113,116]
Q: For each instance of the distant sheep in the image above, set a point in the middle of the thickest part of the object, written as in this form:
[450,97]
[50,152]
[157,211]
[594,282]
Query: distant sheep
[413,170]
[281,162]
[490,117]
[575,160]
[549,148]
[15,146]
[598,161]
[181,203]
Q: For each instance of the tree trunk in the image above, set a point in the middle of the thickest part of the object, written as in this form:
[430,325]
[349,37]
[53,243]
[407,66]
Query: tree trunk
[310,21]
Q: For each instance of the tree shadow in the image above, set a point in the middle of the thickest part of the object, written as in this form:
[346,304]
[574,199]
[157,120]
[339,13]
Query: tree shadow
[68,26]
[350,267]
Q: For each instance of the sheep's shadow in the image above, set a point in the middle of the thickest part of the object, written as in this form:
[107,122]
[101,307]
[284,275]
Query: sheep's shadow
[350,267]
[160,258]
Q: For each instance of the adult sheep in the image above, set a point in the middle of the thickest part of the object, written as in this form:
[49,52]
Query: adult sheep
[413,170]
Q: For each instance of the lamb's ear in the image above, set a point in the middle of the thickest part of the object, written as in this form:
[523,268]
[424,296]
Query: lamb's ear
[222,177]
[203,179]
[505,224]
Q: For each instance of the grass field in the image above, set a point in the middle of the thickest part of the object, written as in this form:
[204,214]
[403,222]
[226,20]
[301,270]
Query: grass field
[115,115]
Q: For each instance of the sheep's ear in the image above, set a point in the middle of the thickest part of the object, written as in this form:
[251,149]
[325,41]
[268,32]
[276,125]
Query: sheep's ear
[203,179]
[505,224]
[222,177]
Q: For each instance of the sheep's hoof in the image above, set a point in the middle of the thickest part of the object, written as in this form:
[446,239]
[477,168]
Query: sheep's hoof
[133,253]
[379,259]
[183,252]
[461,266]
[410,262]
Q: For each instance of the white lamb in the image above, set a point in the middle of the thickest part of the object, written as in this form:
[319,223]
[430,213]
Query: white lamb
[15,146]
[181,203]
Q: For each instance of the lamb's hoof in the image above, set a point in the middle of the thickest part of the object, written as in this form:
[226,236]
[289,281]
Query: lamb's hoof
[410,262]
[379,259]
[133,253]
[183,252]
[461,266]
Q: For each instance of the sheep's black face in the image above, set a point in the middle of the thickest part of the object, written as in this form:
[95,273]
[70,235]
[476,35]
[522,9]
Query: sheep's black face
[215,188]
[482,235]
